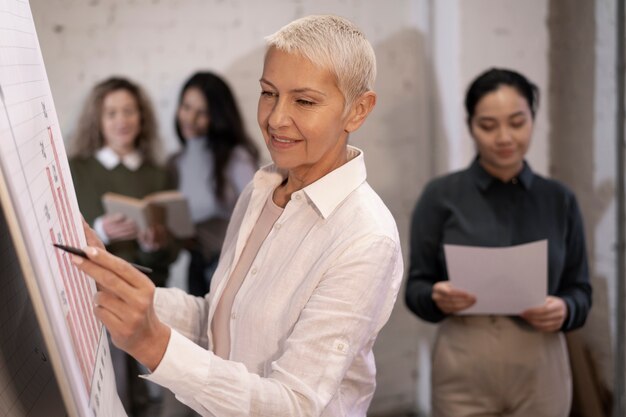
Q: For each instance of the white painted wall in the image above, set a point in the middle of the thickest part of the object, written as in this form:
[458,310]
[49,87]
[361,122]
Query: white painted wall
[605,160]
[511,34]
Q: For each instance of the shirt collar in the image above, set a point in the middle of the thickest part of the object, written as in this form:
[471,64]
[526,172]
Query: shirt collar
[484,179]
[330,190]
[109,159]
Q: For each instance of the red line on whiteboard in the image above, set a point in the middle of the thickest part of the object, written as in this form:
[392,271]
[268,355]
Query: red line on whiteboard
[80,314]
[66,219]
[82,278]
[79,347]
[56,203]
[69,229]
[81,283]
[96,322]
[81,309]
[71,277]
[86,311]
[61,212]
[58,165]
[84,307]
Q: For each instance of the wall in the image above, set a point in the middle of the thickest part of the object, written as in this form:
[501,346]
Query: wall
[604,203]
[510,34]
[582,79]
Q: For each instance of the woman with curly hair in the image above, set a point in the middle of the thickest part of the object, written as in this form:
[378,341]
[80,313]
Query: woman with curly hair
[113,151]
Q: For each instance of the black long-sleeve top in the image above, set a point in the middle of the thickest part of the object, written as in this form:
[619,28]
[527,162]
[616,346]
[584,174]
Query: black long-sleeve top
[471,207]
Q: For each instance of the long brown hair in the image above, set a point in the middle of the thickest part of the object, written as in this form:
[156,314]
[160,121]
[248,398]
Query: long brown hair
[88,137]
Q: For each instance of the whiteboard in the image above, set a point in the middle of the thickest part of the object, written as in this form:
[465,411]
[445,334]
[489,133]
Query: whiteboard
[39,204]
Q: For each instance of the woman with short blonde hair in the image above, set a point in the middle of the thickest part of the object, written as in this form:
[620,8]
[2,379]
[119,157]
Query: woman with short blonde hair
[311,264]
[334,43]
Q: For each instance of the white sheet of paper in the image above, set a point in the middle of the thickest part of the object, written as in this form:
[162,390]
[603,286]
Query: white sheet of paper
[505,280]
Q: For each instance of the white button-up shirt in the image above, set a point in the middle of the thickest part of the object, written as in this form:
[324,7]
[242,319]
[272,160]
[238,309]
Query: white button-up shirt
[306,316]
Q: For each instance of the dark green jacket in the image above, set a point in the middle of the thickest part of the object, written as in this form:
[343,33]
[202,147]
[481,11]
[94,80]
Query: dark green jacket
[92,180]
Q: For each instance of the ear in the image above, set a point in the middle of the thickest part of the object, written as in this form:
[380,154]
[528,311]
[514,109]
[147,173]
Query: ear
[361,108]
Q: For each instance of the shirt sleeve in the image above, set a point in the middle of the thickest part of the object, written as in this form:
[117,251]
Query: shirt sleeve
[346,310]
[98,227]
[574,287]
[184,313]
[424,267]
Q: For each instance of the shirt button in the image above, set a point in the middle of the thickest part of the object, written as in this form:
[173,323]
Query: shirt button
[514,181]
[253,271]
[233,316]
[298,197]
[277,226]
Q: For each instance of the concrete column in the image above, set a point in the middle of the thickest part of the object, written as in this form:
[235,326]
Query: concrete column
[582,112]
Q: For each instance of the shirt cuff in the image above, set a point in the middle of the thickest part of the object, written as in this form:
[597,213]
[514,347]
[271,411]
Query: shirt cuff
[183,368]
[98,226]
[567,323]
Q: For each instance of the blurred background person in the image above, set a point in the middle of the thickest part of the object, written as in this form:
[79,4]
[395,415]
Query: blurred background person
[113,151]
[217,160]
[499,365]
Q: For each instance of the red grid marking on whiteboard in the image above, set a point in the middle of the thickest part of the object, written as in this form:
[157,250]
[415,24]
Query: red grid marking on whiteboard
[78,339]
[73,235]
[77,302]
[58,165]
[81,281]
[69,274]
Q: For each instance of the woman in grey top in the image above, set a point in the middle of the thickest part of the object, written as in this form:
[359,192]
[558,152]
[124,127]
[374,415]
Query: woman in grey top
[216,162]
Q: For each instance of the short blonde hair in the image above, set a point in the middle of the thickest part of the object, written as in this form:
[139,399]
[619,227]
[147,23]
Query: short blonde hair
[334,43]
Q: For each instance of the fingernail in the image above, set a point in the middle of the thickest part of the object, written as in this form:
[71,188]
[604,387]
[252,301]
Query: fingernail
[91,251]
[76,260]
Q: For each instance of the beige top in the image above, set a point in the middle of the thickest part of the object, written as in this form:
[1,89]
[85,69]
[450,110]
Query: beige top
[220,326]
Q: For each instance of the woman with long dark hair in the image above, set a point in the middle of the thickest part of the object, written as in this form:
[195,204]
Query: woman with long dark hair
[217,160]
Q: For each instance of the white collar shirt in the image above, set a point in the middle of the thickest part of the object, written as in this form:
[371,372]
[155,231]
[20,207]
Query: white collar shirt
[305,319]
[109,159]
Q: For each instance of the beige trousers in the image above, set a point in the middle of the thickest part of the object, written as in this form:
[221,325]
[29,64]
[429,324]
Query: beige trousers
[486,366]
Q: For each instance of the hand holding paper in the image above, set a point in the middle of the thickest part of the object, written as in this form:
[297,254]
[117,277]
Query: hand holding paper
[451,300]
[549,317]
[505,280]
